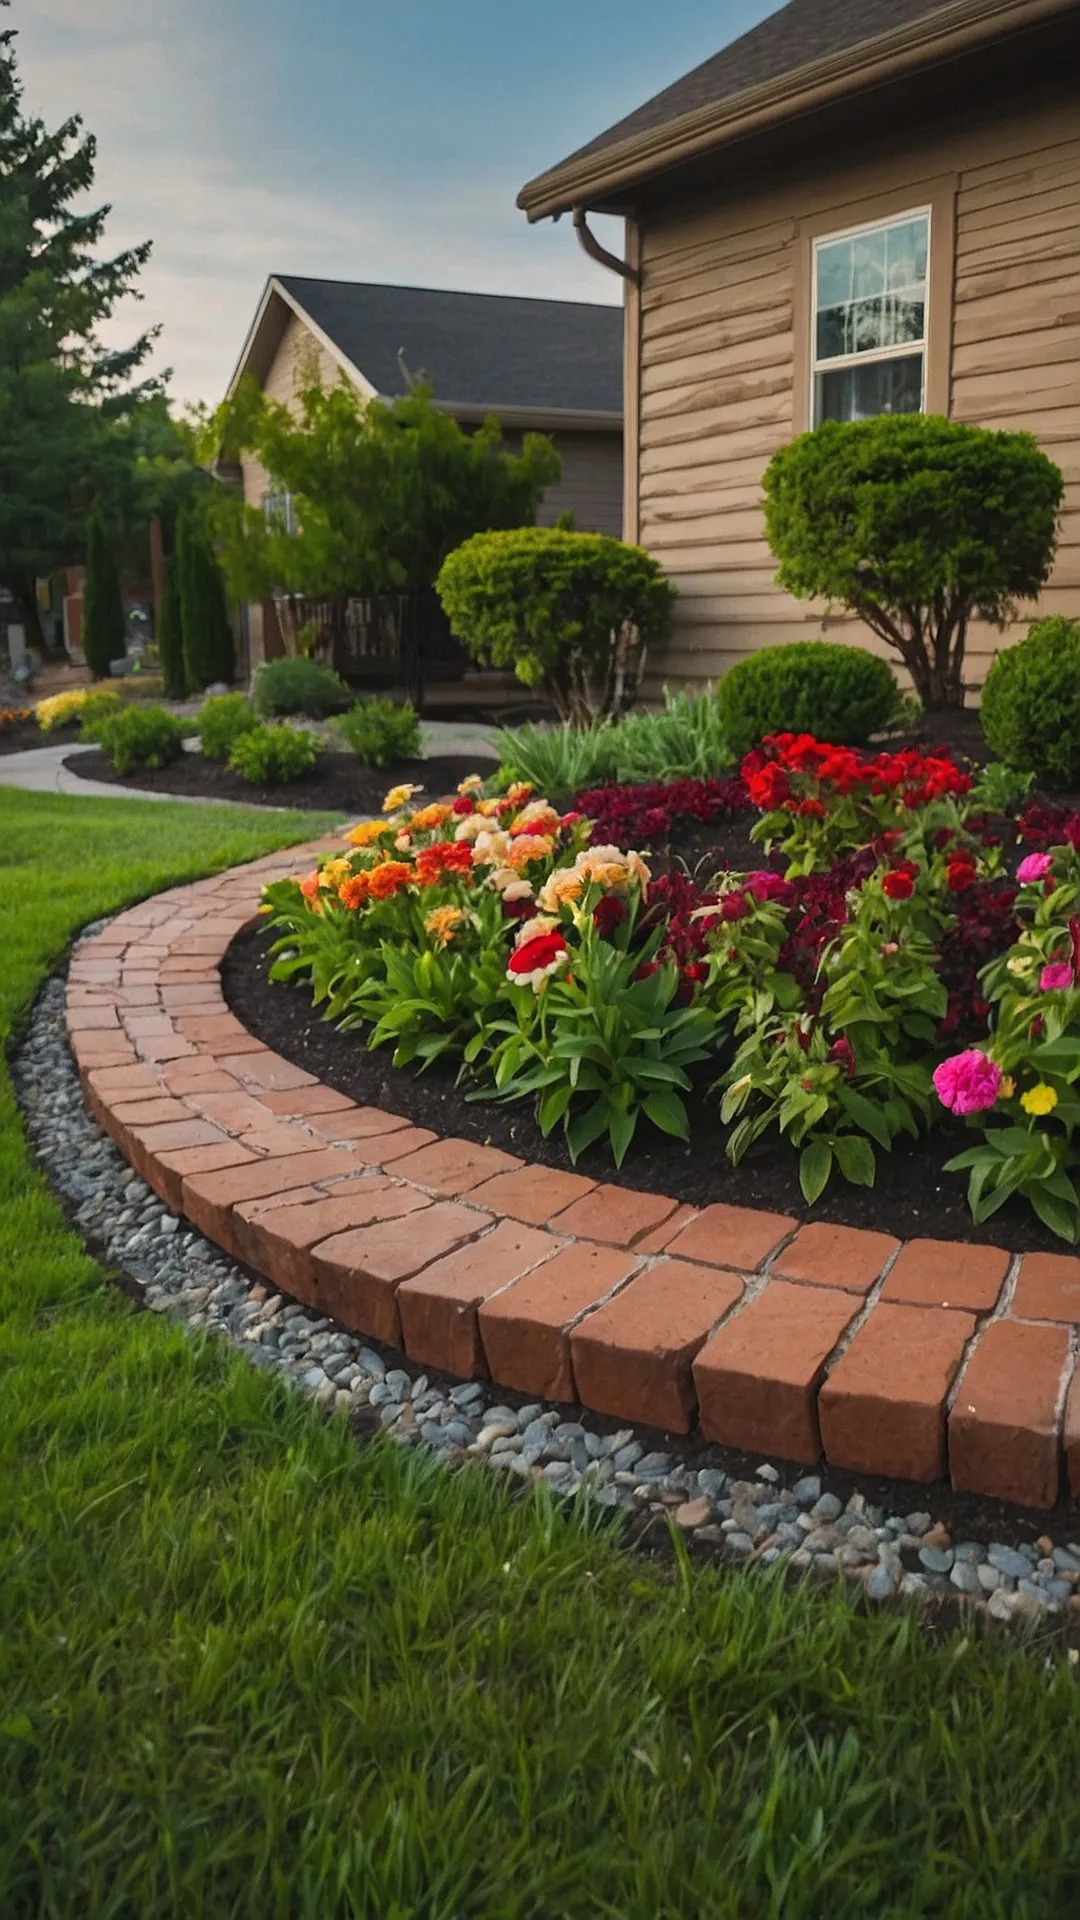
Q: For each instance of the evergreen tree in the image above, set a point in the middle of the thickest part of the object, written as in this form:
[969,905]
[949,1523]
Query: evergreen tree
[208,649]
[60,388]
[103,606]
[170,639]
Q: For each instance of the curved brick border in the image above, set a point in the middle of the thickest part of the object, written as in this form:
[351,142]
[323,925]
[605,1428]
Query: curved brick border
[903,1360]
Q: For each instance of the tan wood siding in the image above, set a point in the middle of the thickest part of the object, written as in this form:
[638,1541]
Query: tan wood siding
[718,333]
[591,487]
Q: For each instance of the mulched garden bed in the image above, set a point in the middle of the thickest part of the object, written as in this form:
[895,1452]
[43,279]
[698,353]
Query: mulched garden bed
[913,1197]
[339,785]
[23,736]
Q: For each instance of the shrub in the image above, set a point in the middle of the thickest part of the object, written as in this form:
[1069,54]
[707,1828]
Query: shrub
[381,731]
[96,710]
[915,524]
[222,719]
[141,737]
[812,686]
[61,709]
[103,606]
[269,756]
[208,650]
[1031,702]
[298,685]
[572,612]
[171,637]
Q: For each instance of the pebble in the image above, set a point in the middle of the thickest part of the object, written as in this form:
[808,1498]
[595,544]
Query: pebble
[804,1526]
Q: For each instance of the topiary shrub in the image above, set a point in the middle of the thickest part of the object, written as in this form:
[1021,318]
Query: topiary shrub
[916,525]
[99,706]
[572,612]
[269,756]
[221,721]
[209,653]
[838,693]
[1030,709]
[141,737]
[103,606]
[170,640]
[298,685]
[382,731]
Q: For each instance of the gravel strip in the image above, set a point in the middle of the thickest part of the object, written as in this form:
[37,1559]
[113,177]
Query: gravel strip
[759,1521]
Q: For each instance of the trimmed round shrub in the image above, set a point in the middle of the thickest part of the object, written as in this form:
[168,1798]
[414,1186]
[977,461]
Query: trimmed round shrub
[837,693]
[99,706]
[1030,709]
[572,612]
[271,756]
[381,731]
[221,721]
[141,737]
[298,685]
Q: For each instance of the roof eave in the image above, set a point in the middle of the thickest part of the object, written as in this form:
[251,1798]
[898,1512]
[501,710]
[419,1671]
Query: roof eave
[533,419]
[956,30]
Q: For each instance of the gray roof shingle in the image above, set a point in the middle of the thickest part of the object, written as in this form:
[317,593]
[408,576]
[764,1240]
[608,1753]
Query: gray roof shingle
[800,33]
[481,350]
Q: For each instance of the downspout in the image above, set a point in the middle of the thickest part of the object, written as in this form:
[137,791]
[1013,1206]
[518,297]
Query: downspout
[596,252]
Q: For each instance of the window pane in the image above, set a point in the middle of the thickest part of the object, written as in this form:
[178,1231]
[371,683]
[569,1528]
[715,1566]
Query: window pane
[871,289]
[834,273]
[906,255]
[868,265]
[860,393]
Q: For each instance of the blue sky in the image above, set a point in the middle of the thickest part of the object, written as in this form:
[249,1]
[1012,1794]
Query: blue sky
[362,139]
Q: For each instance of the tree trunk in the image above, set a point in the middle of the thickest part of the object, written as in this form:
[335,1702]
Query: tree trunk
[25,596]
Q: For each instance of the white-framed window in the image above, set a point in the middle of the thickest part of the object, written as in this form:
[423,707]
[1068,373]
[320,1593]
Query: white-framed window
[279,511]
[870,310]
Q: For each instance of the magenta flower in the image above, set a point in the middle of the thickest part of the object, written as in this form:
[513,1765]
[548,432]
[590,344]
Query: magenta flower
[968,1083]
[1059,974]
[1034,866]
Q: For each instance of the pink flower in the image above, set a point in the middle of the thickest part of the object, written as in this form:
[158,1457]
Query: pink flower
[1059,974]
[968,1083]
[1033,867]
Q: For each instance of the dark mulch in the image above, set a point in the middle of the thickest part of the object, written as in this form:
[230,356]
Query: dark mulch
[339,785]
[912,1196]
[23,735]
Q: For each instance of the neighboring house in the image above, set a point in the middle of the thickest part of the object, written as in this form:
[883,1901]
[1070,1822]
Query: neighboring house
[547,366]
[861,206]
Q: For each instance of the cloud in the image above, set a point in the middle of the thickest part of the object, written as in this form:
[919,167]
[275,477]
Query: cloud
[192,153]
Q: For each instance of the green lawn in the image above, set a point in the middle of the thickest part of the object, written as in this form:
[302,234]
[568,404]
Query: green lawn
[250,1669]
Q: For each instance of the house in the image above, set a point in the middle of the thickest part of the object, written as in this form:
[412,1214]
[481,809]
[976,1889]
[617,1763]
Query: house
[860,206]
[547,366]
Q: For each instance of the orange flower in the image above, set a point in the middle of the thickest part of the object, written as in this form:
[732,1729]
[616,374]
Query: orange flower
[310,884]
[537,818]
[367,833]
[518,793]
[355,892]
[429,817]
[442,922]
[389,878]
[526,848]
[560,888]
[445,857]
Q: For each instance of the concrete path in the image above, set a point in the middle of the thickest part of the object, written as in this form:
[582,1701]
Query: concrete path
[41,770]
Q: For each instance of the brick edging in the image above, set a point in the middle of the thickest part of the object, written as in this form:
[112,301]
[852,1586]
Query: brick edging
[908,1360]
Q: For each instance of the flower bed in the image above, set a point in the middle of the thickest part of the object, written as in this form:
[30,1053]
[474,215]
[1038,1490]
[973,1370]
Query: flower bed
[880,967]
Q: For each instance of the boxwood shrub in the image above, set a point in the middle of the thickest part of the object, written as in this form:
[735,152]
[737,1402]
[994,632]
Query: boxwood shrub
[838,693]
[382,731]
[222,719]
[141,737]
[1031,703]
[298,685]
[270,756]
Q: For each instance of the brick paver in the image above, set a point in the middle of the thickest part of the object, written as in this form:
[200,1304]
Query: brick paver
[1005,1424]
[632,1357]
[438,1307]
[616,1215]
[737,1237]
[822,1255]
[526,1329]
[1048,1288]
[757,1379]
[882,1408]
[946,1273]
[357,1273]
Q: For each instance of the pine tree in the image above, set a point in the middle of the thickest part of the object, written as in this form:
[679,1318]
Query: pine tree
[209,654]
[60,388]
[170,639]
[103,606]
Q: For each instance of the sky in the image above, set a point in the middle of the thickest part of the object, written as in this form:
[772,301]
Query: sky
[351,139]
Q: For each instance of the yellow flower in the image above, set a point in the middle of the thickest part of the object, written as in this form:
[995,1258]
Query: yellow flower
[489,808]
[442,922]
[334,872]
[367,833]
[1007,1087]
[471,784]
[398,796]
[1039,1100]
[519,792]
[428,817]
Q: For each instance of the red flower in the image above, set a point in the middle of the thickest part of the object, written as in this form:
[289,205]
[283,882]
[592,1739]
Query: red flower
[443,857]
[608,914]
[540,951]
[733,907]
[898,885]
[842,1053]
[811,810]
[462,805]
[695,971]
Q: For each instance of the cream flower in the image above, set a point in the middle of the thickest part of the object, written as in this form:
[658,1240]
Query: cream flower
[399,797]
[490,847]
[561,888]
[472,783]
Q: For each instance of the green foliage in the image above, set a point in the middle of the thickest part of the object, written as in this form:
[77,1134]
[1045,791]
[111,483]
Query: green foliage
[916,525]
[170,640]
[837,693]
[221,721]
[141,736]
[572,612]
[382,491]
[382,731]
[298,685]
[686,741]
[96,710]
[103,606]
[270,756]
[208,648]
[1030,708]
[61,389]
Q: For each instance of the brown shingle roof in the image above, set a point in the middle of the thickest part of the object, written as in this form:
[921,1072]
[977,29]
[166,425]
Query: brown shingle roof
[798,35]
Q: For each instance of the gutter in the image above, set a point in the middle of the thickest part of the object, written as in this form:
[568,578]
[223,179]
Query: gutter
[540,419]
[955,30]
